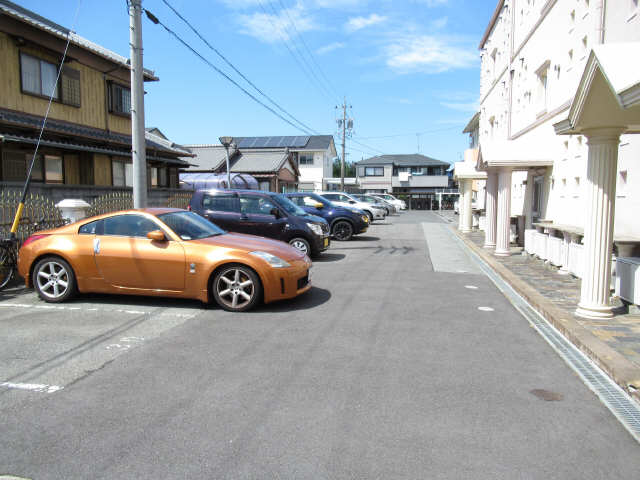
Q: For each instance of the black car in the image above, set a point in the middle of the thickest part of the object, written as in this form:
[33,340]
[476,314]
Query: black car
[266,214]
[345,222]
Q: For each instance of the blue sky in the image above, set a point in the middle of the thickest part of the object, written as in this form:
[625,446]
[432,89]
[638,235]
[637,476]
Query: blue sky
[404,66]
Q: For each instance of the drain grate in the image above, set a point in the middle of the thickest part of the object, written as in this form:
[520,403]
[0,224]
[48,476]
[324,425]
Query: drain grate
[615,399]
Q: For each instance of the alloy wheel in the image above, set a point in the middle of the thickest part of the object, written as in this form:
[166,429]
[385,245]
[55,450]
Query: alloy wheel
[342,230]
[53,280]
[235,288]
[300,244]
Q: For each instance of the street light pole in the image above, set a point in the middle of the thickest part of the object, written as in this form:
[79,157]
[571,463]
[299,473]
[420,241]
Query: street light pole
[227,141]
[138,146]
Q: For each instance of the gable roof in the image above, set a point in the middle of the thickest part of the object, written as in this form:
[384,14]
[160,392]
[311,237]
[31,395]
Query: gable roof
[261,161]
[208,157]
[399,160]
[41,23]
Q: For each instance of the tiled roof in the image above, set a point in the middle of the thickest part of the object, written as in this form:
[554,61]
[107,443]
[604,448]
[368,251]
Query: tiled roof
[72,129]
[208,157]
[42,23]
[10,137]
[413,160]
[259,161]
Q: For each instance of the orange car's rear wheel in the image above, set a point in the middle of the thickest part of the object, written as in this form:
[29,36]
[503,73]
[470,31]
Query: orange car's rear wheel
[236,288]
[54,280]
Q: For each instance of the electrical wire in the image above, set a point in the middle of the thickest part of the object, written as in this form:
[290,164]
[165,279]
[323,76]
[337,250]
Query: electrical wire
[310,76]
[155,20]
[309,52]
[228,62]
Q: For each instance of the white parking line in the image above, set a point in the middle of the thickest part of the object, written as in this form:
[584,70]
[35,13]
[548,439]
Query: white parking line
[33,387]
[471,287]
[68,308]
[486,309]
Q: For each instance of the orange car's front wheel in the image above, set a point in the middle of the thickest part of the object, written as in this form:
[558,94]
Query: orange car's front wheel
[236,288]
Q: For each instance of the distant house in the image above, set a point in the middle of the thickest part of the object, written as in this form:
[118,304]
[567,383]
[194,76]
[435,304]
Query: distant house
[278,163]
[415,176]
[85,149]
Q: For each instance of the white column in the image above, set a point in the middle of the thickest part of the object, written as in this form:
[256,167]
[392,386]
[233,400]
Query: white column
[602,168]
[503,217]
[467,219]
[491,207]
[528,201]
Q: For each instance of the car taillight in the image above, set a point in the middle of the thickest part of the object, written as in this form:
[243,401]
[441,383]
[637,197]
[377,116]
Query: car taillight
[189,208]
[33,238]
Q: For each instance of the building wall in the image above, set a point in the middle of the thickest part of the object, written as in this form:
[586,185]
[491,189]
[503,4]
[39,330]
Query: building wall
[92,111]
[551,44]
[316,172]
[375,183]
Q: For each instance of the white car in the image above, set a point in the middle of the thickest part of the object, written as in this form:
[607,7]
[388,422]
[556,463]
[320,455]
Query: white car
[399,204]
[345,200]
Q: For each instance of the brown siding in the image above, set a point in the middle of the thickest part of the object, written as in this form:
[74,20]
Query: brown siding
[102,169]
[92,88]
[71,170]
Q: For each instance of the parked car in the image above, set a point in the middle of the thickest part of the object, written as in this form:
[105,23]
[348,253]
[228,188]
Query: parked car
[164,252]
[377,202]
[266,214]
[347,200]
[399,204]
[344,222]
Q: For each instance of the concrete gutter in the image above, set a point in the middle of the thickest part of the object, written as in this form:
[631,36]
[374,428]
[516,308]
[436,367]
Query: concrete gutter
[624,372]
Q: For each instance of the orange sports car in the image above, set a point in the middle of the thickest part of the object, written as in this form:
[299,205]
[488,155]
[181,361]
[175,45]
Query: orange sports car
[163,252]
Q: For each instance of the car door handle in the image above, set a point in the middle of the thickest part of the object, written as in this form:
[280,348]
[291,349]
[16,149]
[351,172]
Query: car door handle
[96,246]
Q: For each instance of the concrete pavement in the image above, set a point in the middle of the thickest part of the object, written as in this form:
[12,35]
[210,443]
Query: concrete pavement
[386,369]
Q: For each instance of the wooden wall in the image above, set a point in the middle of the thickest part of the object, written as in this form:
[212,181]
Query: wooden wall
[102,169]
[92,111]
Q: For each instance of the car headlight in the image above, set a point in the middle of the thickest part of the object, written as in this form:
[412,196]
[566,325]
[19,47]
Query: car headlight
[365,219]
[275,262]
[315,228]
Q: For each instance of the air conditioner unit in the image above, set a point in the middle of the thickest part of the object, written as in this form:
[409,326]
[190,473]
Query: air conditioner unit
[628,279]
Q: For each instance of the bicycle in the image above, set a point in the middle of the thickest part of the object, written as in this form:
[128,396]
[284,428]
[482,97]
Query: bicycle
[8,260]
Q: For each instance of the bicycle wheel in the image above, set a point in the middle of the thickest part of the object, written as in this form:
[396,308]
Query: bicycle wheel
[7,265]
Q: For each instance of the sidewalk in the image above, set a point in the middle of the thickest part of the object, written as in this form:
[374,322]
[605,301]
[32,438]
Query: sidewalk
[614,344]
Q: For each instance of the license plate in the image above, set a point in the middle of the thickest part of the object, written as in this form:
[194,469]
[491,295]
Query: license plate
[326,242]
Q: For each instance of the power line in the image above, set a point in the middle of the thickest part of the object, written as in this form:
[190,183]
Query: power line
[273,102]
[311,77]
[410,134]
[155,20]
[311,55]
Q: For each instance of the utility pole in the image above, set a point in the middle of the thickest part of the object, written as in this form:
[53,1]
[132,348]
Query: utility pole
[347,126]
[344,134]
[138,145]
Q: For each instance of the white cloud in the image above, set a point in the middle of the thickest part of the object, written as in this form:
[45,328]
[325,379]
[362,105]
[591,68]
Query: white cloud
[462,107]
[439,23]
[428,54]
[358,23]
[330,48]
[270,28]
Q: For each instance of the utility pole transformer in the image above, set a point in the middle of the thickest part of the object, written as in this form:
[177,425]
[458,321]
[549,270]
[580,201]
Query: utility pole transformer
[138,145]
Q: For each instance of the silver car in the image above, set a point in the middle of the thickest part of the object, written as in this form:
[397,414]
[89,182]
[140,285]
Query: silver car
[350,201]
[376,202]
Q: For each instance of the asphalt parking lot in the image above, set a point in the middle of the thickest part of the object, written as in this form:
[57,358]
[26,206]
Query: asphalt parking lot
[403,361]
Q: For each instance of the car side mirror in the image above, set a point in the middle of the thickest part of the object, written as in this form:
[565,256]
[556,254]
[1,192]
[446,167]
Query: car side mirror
[275,212]
[156,236]
[319,206]
[352,201]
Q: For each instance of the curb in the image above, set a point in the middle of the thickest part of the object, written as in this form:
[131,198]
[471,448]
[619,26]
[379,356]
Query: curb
[624,372]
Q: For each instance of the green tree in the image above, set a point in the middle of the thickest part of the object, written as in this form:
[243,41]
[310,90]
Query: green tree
[349,168]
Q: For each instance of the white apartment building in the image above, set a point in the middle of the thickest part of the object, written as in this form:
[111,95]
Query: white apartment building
[559,117]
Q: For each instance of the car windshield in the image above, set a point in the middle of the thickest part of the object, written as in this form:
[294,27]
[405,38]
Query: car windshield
[289,207]
[320,199]
[190,226]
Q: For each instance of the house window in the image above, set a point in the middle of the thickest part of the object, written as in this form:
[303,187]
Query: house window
[38,76]
[70,83]
[53,169]
[306,159]
[119,99]
[122,173]
[374,171]
[154,176]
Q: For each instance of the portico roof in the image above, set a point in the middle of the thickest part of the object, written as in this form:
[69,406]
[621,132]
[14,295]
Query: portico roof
[516,155]
[466,170]
[608,95]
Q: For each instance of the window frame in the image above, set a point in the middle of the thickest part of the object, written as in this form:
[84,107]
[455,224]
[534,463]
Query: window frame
[111,92]
[66,73]
[375,169]
[306,157]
